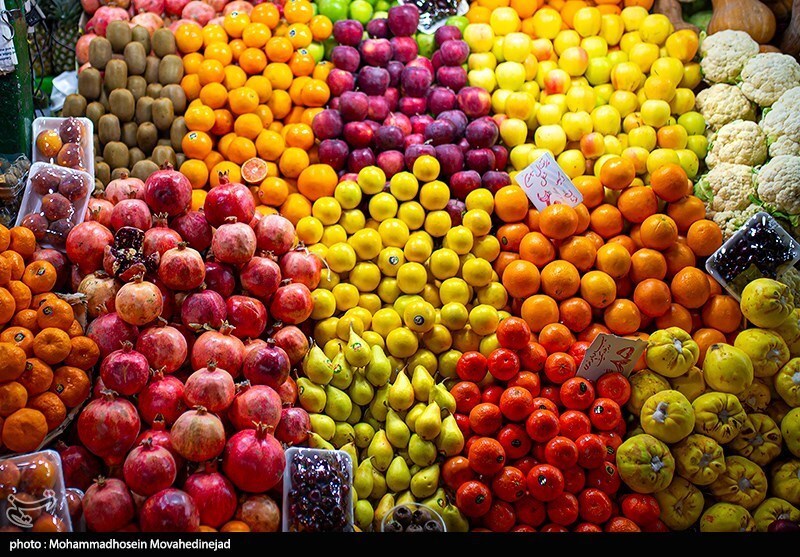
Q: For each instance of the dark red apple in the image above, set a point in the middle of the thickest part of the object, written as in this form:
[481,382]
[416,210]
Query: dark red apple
[403,20]
[348,32]
[359,159]
[463,182]
[373,81]
[419,122]
[346,58]
[327,124]
[454,52]
[354,106]
[452,77]
[450,158]
[376,52]
[333,152]
[378,108]
[440,132]
[391,162]
[340,81]
[474,101]
[482,133]
[404,49]
[441,99]
[446,33]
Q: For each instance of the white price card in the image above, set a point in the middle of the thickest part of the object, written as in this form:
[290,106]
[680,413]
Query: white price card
[545,183]
[609,353]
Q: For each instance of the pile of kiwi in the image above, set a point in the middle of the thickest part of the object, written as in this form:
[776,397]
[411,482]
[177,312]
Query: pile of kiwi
[132,94]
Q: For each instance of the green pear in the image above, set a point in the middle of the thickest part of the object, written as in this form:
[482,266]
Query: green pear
[362,479]
[361,391]
[371,420]
[451,440]
[317,366]
[339,404]
[364,433]
[425,482]
[398,476]
[323,425]
[357,351]
[381,451]
[379,488]
[317,442]
[414,414]
[379,368]
[441,396]
[414,468]
[397,366]
[312,397]
[333,347]
[436,502]
[355,416]
[404,454]
[454,521]
[380,404]
[351,451]
[422,452]
[396,430]
[386,504]
[342,372]
[344,434]
[429,424]
[422,382]
[401,393]
[363,513]
[406,497]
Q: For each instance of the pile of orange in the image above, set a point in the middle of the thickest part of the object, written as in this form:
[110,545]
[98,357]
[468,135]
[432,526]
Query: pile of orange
[44,357]
[254,88]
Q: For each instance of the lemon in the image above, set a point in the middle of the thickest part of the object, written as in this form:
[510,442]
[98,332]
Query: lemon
[394,232]
[325,330]
[347,322]
[365,276]
[341,257]
[455,290]
[352,221]
[488,344]
[480,199]
[454,316]
[438,339]
[388,290]
[334,234]
[404,186]
[327,210]
[411,213]
[346,295]
[362,314]
[493,294]
[424,358]
[348,194]
[419,316]
[431,295]
[382,206]
[459,239]
[402,343]
[487,247]
[367,243]
[437,223]
[477,272]
[370,302]
[444,263]
[418,248]
[484,319]
[426,168]
[371,179]
[448,362]
[309,230]
[390,260]
[434,195]
[412,277]
[386,320]
[466,340]
[324,304]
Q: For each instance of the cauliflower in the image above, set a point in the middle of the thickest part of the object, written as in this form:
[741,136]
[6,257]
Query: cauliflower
[767,76]
[731,221]
[727,187]
[739,142]
[722,103]
[781,123]
[724,55]
[778,187]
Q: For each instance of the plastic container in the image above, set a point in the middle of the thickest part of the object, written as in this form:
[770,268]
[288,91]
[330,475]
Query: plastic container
[86,141]
[340,465]
[734,275]
[431,18]
[32,200]
[436,517]
[34,494]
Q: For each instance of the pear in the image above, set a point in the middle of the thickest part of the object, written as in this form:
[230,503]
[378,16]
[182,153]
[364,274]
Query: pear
[379,368]
[422,452]
[436,502]
[363,513]
[317,366]
[344,434]
[453,519]
[370,419]
[339,404]
[396,430]
[386,504]
[363,434]
[312,397]
[414,468]
[425,482]
[357,351]
[317,442]
[381,451]
[441,396]
[401,393]
[429,423]
[397,476]
[397,366]
[405,498]
[361,391]
[379,488]
[333,347]
[451,440]
[362,479]
[422,382]
[351,451]
[355,416]
[323,425]
[380,404]
[413,414]
[342,372]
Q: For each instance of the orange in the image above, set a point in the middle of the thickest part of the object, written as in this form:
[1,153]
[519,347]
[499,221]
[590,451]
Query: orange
[298,11]
[295,207]
[592,331]
[537,249]
[26,318]
[598,289]
[658,232]
[55,312]
[678,257]
[223,122]
[614,259]
[300,35]
[558,221]
[322,70]
[279,75]
[647,263]
[211,71]
[273,191]
[503,260]
[214,95]
[556,337]
[622,317]
[37,377]
[315,93]
[196,171]
[189,38]
[297,85]
[625,241]
[560,279]
[265,115]
[704,237]
[510,203]
[617,173]
[636,203]
[266,13]
[652,297]
[234,77]
[670,182]
[579,251]
[524,8]
[243,100]
[220,52]
[248,125]
[676,316]
[191,63]
[321,27]
[20,292]
[591,189]
[256,35]
[235,23]
[584,218]
[279,49]
[241,149]
[39,276]
[705,337]
[510,236]
[636,236]
[237,525]
[298,135]
[196,145]
[261,86]
[12,363]
[521,279]
[576,314]
[199,118]
[568,10]
[280,103]
[24,430]
[606,220]
[270,145]
[22,241]
[71,384]
[722,313]
[316,180]
[686,211]
[253,61]
[5,238]
[8,305]
[51,407]
[83,353]
[13,396]
[214,33]
[539,310]
[596,239]
[232,170]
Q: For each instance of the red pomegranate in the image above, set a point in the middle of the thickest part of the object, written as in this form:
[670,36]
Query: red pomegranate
[302,267]
[160,237]
[247,315]
[229,199]
[203,308]
[198,435]
[294,426]
[100,291]
[210,387]
[182,268]
[131,212]
[168,191]
[267,365]
[108,426]
[109,331]
[169,510]
[163,396]
[86,244]
[213,494]
[99,210]
[167,299]
[291,304]
[163,346]
[108,506]
[293,341]
[254,460]
[159,435]
[79,465]
[255,404]
[234,243]
[149,468]
[124,187]
[288,392]
[194,229]
[252,344]
[221,347]
[275,234]
[220,279]
[139,302]
[260,276]
[125,371]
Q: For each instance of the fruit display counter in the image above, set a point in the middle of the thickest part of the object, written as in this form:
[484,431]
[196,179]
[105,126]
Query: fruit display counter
[505,266]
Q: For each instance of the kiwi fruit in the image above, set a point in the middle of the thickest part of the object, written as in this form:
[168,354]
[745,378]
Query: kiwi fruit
[176,133]
[163,114]
[94,111]
[129,130]
[116,155]
[170,70]
[100,52]
[181,158]
[136,155]
[120,172]
[143,169]
[144,110]
[176,94]
[164,153]
[108,128]
[90,84]
[119,35]
[102,172]
[74,105]
[147,137]
[104,100]
[162,141]
[122,104]
[140,34]
[138,86]
[96,143]
[154,90]
[136,58]
[151,69]
[164,43]
[116,76]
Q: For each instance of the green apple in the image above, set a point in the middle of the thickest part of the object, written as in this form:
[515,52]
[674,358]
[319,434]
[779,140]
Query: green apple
[361,11]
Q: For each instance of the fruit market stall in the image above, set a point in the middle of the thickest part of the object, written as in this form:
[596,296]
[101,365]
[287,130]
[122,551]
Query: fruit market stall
[427,266]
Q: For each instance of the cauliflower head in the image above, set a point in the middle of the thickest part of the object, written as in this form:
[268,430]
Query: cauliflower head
[738,142]
[767,76]
[782,124]
[724,55]
[731,221]
[778,186]
[727,187]
[722,103]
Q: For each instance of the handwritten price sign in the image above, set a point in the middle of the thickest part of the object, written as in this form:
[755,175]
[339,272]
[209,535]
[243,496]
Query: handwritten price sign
[609,353]
[545,183]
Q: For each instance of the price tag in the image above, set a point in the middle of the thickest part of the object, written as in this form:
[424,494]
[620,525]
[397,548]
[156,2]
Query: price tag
[545,183]
[609,353]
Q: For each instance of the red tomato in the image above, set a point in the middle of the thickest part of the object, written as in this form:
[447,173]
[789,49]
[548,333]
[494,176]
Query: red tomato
[542,425]
[559,367]
[525,464]
[551,394]
[467,395]
[537,452]
[515,441]
[606,478]
[516,403]
[612,441]
[486,456]
[573,424]
[585,527]
[503,364]
[595,506]
[530,511]
[553,528]
[620,524]
[485,418]
[561,453]
[509,484]
[456,471]
[462,420]
[574,479]
[523,528]
[591,451]
[642,509]
[545,482]
[563,509]
[473,499]
[605,414]
[544,403]
[614,386]
[533,356]
[513,333]
[471,366]
[576,393]
[578,351]
[527,380]
[492,394]
[500,518]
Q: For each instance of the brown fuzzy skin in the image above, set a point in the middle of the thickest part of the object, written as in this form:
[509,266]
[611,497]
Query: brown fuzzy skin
[672,9]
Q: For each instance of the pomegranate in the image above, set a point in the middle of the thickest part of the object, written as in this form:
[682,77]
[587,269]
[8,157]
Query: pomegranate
[291,304]
[254,460]
[198,435]
[288,392]
[203,308]
[210,387]
[188,335]
[159,435]
[261,277]
[169,510]
[109,331]
[234,242]
[194,229]
[178,22]
[163,346]
[275,234]
[229,199]
[124,187]
[168,299]
[294,426]
[213,494]
[99,210]
[260,513]
[252,344]
[82,46]
[131,212]
[149,468]
[218,5]
[160,238]
[150,21]
[79,465]
[198,11]
[168,191]
[247,315]
[267,365]
[108,426]
[102,17]
[108,505]
[139,302]
[162,396]
[86,244]
[175,7]
[255,404]
[182,268]
[302,267]
[100,291]
[155,6]
[125,371]
[220,279]
[221,347]
[238,6]
[293,341]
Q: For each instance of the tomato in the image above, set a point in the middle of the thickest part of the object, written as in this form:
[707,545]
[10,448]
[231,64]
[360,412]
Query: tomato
[574,479]
[642,509]
[500,518]
[492,394]
[523,528]
[515,441]
[612,441]
[573,424]
[473,499]
[605,414]
[513,333]
[606,478]
[533,356]
[595,506]
[559,367]
[614,386]
[527,380]
[591,451]
[545,482]
[561,453]
[472,366]
[537,452]
[530,511]
[563,509]
[553,528]
[656,526]
[485,418]
[456,471]
[551,394]
[525,464]
[544,403]
[467,395]
[542,425]
[578,351]
[503,364]
[509,484]
[586,527]
[576,393]
[516,403]
[620,524]
[462,420]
